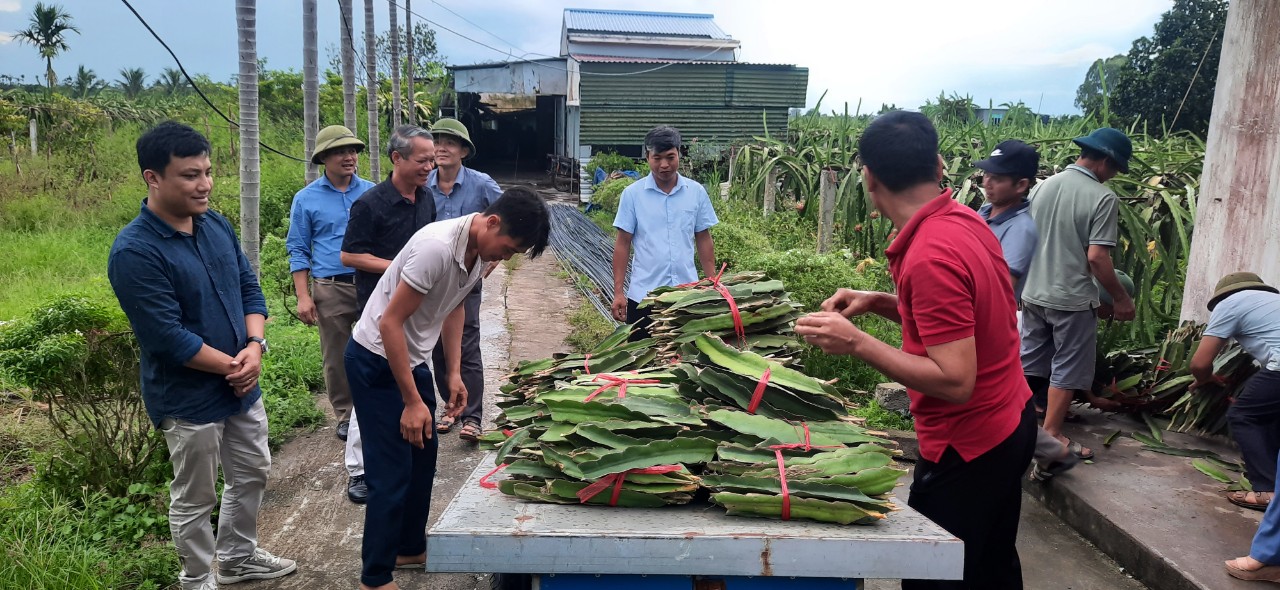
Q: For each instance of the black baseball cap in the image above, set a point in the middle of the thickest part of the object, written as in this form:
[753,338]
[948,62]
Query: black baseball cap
[1012,158]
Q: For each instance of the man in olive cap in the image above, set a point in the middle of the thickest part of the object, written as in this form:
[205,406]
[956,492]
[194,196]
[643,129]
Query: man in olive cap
[461,191]
[317,223]
[1076,217]
[1248,310]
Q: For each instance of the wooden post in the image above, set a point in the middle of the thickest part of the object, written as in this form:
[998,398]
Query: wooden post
[827,211]
[770,191]
[31,129]
[733,164]
[1238,208]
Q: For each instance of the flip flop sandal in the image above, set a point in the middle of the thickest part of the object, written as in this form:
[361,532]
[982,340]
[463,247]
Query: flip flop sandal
[1047,472]
[444,425]
[1261,500]
[1266,573]
[470,431]
[1078,449]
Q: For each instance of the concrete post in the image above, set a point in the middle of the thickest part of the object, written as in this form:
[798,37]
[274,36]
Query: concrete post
[1238,209]
[770,191]
[31,128]
[827,211]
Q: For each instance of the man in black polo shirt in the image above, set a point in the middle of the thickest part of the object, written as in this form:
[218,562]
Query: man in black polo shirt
[387,215]
[381,222]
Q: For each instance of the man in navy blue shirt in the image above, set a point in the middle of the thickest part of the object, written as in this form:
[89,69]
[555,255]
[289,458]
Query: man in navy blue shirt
[460,191]
[198,313]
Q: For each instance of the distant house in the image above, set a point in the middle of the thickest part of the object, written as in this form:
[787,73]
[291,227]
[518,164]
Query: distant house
[995,116]
[620,73]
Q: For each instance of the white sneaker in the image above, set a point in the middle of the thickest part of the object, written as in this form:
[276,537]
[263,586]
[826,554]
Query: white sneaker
[262,565]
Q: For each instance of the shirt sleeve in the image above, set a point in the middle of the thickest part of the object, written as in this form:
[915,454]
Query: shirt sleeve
[1104,226]
[706,213]
[298,240]
[146,294]
[942,301]
[1223,321]
[625,219]
[251,298]
[1019,247]
[490,192]
[425,264]
[359,238]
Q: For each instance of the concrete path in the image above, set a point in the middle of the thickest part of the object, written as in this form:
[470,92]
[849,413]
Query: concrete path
[307,516]
[1164,521]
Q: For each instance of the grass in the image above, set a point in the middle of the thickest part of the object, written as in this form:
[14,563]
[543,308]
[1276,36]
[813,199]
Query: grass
[589,328]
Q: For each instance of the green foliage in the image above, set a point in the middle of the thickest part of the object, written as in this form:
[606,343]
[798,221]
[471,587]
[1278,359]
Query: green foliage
[133,517]
[611,162]
[1180,55]
[880,418]
[289,375]
[47,32]
[589,327]
[950,110]
[50,541]
[88,379]
[1092,96]
[608,193]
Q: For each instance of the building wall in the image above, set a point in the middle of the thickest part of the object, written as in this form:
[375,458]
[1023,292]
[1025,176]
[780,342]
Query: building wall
[541,78]
[711,102]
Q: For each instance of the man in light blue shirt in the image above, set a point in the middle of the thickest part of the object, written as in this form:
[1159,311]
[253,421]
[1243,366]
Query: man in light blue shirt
[1247,310]
[1008,175]
[460,191]
[317,224]
[665,218]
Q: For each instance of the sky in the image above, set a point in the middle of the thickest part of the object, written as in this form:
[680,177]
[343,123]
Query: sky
[899,52]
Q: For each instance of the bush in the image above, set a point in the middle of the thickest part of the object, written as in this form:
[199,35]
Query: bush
[88,378]
[613,162]
[608,193]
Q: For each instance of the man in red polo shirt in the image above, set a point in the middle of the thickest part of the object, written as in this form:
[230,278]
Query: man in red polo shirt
[959,357]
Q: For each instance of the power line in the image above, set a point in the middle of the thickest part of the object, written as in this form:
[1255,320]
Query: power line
[196,87]
[715,48]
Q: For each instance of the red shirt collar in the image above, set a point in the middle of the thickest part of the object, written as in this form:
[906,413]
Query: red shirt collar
[908,231]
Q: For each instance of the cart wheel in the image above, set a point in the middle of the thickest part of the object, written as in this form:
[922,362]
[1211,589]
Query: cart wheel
[510,582]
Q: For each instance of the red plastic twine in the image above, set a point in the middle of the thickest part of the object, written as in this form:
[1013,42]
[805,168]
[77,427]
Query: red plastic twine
[619,382]
[484,481]
[758,394]
[733,305]
[616,479]
[508,433]
[782,468]
[586,363]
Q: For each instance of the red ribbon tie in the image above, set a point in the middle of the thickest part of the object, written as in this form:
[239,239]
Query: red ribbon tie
[484,481]
[616,479]
[619,382]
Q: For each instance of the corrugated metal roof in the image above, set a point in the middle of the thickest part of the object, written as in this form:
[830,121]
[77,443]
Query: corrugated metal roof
[587,58]
[643,23]
[603,126]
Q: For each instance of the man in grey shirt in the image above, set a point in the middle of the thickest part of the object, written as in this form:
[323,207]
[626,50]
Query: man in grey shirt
[1076,217]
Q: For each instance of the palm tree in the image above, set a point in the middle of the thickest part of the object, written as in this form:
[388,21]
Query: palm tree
[132,81]
[348,66]
[408,27]
[371,87]
[310,85]
[47,33]
[247,32]
[395,65]
[172,81]
[86,83]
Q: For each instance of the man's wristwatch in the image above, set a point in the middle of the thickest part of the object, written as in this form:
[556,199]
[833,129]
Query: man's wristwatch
[262,342]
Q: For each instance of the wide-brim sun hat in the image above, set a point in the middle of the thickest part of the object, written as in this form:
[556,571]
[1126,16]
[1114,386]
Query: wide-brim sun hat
[456,129]
[332,137]
[1125,281]
[1112,142]
[1236,282]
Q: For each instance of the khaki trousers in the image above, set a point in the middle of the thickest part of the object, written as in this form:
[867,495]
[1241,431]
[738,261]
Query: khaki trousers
[239,445]
[336,313]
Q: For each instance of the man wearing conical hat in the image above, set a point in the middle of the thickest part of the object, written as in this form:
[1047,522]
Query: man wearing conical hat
[317,224]
[1246,309]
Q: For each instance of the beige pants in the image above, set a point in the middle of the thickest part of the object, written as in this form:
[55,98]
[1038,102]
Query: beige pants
[336,314]
[239,445]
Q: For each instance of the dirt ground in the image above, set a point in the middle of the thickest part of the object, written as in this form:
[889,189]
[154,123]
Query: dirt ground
[306,515]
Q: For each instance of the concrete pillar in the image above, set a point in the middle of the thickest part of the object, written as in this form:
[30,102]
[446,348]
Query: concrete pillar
[1238,208]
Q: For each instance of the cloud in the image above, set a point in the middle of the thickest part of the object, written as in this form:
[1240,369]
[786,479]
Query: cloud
[5,38]
[10,6]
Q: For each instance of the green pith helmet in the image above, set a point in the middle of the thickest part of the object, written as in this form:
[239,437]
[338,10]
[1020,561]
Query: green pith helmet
[1112,142]
[1125,282]
[334,136]
[1237,281]
[455,128]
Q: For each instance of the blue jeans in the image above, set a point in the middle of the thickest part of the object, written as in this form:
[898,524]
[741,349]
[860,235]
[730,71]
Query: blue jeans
[1255,425]
[398,474]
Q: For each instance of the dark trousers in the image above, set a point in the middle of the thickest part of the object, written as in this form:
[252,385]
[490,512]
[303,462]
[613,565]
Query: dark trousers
[1255,424]
[641,319]
[398,474]
[979,502]
[472,362]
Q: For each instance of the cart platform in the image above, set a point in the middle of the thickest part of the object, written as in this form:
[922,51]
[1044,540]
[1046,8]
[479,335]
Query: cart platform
[483,530]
